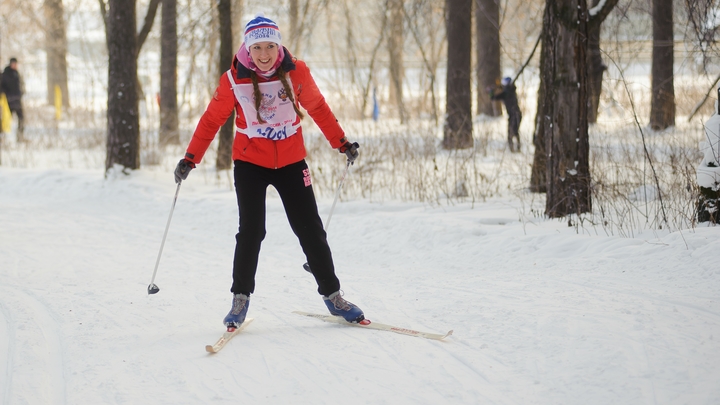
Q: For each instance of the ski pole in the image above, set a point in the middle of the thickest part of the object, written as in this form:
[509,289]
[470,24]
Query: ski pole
[306,266]
[153,288]
[337,195]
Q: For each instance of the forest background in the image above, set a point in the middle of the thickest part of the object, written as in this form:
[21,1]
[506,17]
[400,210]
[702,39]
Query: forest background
[382,65]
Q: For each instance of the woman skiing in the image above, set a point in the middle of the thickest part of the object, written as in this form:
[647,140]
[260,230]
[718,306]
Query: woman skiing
[264,87]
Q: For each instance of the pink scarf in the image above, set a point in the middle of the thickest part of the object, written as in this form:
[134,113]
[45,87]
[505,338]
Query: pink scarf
[243,55]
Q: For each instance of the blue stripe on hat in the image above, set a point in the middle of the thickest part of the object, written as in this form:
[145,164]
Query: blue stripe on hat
[261,29]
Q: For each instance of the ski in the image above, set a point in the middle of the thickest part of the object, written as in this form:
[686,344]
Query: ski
[226,336]
[367,324]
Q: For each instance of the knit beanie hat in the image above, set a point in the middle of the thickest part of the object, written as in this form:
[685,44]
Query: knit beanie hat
[261,29]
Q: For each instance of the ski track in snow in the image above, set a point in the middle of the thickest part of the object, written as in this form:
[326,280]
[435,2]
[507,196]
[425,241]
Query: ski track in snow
[34,350]
[7,351]
[541,314]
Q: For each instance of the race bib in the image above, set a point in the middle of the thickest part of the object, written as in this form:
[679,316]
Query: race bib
[276,109]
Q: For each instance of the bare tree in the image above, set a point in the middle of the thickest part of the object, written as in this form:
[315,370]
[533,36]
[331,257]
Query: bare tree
[303,18]
[595,64]
[546,108]
[294,11]
[487,29]
[226,134]
[703,17]
[395,43]
[373,59]
[350,42]
[421,19]
[123,143]
[538,175]
[662,103]
[458,122]
[168,75]
[56,49]
[147,23]
[564,82]
[237,13]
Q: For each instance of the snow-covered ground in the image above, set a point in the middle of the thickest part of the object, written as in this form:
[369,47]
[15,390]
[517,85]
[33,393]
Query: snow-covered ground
[541,314]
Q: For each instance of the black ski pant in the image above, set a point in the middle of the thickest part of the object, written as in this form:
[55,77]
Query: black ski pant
[514,118]
[16,107]
[293,185]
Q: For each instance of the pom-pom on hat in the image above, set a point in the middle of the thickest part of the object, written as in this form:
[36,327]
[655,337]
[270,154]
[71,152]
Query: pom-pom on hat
[261,29]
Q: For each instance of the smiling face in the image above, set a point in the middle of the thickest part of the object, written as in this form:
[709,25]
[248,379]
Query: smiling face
[264,54]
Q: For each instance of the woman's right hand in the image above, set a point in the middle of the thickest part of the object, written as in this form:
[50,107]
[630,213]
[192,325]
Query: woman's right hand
[350,150]
[183,169]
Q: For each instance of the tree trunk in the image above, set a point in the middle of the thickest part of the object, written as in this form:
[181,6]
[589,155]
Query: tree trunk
[168,75]
[595,64]
[538,178]
[226,134]
[395,44]
[296,24]
[487,28]
[147,24]
[565,93]
[596,68]
[538,175]
[458,122]
[141,36]
[56,49]
[294,12]
[123,143]
[239,33]
[662,104]
[350,43]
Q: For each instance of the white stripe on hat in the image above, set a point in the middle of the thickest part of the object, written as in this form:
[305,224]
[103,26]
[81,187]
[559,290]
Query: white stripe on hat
[261,29]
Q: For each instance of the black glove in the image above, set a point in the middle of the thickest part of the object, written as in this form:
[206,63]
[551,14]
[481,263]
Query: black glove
[350,150]
[183,169]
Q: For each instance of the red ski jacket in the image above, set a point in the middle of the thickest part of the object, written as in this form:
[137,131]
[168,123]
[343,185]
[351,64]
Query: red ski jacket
[258,150]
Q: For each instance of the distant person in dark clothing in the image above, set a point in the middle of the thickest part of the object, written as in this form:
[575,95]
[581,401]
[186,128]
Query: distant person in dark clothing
[508,95]
[12,86]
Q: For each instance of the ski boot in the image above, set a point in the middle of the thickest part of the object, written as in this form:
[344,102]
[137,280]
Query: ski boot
[339,307]
[237,314]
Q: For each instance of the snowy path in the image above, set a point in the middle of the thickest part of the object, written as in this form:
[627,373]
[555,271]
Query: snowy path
[541,315]
[34,352]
